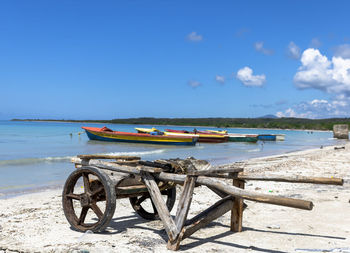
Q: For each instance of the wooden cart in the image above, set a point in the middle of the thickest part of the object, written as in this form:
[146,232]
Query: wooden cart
[90,192]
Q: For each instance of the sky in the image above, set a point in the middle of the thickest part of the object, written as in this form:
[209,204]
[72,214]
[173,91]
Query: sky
[122,59]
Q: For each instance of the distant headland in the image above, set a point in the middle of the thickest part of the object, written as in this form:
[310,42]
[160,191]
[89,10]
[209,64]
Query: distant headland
[262,122]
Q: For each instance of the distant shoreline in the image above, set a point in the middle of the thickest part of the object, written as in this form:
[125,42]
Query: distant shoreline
[246,123]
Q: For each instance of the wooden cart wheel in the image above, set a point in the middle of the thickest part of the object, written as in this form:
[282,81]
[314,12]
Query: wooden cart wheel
[139,204]
[88,199]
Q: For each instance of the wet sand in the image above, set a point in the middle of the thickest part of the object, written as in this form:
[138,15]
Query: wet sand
[36,223]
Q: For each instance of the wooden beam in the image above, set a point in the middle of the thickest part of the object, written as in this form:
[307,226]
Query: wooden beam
[295,179]
[162,209]
[214,171]
[185,202]
[237,208]
[182,210]
[204,218]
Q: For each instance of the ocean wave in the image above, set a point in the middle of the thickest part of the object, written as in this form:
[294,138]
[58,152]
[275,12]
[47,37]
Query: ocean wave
[28,161]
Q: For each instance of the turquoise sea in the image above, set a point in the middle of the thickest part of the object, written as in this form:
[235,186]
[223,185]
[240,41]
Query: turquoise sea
[36,155]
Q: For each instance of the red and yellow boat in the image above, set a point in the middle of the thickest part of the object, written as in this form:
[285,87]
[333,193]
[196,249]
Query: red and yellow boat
[106,134]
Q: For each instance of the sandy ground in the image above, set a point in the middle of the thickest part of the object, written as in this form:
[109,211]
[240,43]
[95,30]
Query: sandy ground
[36,223]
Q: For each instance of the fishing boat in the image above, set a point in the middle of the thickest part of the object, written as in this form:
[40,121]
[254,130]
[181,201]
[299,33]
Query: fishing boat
[242,137]
[154,131]
[106,134]
[204,136]
[217,131]
[267,137]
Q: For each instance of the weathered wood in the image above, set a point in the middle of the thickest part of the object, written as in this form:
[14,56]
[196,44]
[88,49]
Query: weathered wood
[214,171]
[201,180]
[296,179]
[204,218]
[109,157]
[185,202]
[234,191]
[218,192]
[115,166]
[237,208]
[160,205]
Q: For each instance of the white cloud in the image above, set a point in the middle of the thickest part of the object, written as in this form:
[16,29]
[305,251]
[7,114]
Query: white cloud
[318,108]
[259,46]
[245,75]
[320,73]
[342,51]
[315,42]
[193,36]
[293,50]
[194,84]
[220,79]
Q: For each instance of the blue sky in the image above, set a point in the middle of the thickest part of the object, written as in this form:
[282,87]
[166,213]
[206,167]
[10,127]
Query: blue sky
[121,59]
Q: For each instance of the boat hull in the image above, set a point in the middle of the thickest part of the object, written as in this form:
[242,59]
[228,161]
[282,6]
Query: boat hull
[203,137]
[267,137]
[114,136]
[243,138]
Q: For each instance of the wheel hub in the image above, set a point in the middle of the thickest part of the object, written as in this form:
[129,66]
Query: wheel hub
[85,200]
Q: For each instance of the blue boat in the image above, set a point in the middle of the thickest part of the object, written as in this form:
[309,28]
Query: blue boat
[267,137]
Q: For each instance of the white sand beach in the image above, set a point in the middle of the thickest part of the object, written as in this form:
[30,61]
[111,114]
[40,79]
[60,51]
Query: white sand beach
[36,223]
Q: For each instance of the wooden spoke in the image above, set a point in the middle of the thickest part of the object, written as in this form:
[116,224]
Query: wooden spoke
[97,210]
[141,199]
[83,214]
[95,192]
[86,182]
[73,196]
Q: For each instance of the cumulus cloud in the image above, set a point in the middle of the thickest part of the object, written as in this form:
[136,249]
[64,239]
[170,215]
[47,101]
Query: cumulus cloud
[293,50]
[320,73]
[317,108]
[220,79]
[245,75]
[342,51]
[193,36]
[259,46]
[194,84]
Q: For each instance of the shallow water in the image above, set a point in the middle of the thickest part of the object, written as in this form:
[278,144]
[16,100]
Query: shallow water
[36,155]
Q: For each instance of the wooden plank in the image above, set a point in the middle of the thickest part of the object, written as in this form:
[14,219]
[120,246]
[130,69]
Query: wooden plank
[295,179]
[204,218]
[237,208]
[185,202]
[109,157]
[158,201]
[214,171]
[116,167]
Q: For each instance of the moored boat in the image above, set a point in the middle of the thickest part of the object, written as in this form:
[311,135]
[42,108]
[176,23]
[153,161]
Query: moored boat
[217,131]
[267,137]
[242,137]
[106,134]
[204,136]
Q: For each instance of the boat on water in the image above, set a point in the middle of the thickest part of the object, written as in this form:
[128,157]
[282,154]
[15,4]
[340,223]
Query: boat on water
[106,134]
[217,131]
[242,137]
[155,131]
[271,137]
[204,136]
